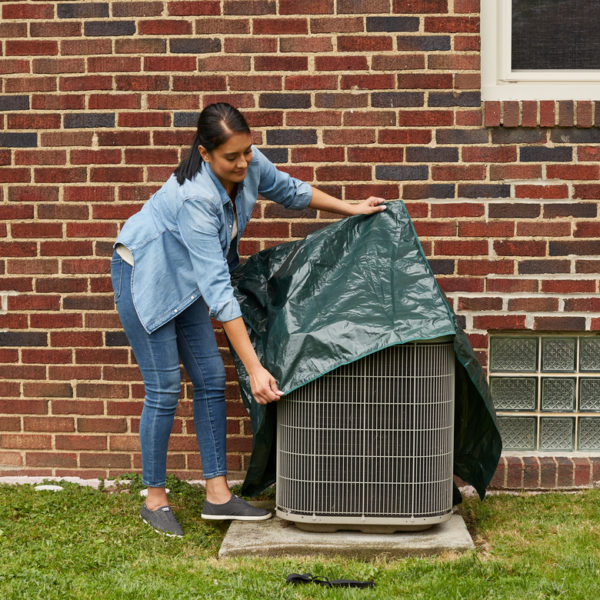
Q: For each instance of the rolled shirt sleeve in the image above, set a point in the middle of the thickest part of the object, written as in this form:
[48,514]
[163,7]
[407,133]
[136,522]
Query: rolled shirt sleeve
[198,222]
[281,187]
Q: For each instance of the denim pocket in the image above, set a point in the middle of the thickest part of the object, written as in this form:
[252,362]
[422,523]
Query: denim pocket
[116,274]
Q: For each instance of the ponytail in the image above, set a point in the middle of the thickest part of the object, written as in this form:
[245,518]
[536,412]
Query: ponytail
[216,124]
[191,164]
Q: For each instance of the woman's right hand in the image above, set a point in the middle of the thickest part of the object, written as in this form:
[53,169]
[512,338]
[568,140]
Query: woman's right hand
[263,385]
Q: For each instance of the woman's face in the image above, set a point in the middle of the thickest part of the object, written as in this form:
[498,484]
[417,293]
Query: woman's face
[229,161]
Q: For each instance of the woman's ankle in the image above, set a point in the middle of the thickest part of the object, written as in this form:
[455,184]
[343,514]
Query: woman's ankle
[156,498]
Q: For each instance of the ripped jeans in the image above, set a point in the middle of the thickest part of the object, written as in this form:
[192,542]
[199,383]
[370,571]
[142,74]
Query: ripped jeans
[188,337]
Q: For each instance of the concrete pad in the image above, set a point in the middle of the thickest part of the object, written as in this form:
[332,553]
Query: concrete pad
[276,537]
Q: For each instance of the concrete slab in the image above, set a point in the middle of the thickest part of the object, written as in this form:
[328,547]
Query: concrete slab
[276,537]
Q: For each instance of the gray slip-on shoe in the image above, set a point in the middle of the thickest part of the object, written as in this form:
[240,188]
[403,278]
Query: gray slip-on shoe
[235,508]
[162,519]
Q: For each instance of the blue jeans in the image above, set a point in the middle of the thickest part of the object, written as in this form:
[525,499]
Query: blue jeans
[191,338]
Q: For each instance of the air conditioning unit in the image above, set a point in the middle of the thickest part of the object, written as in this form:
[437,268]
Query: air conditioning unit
[369,446]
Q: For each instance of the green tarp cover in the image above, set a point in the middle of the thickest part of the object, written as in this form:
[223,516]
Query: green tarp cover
[350,289]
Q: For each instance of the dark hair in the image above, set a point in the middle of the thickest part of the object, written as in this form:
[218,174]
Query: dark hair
[216,124]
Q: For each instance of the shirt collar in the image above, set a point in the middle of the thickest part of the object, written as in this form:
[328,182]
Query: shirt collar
[222,192]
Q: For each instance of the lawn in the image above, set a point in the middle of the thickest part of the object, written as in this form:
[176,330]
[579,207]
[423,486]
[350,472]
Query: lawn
[90,543]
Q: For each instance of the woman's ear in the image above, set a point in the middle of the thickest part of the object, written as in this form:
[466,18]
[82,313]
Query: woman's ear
[204,153]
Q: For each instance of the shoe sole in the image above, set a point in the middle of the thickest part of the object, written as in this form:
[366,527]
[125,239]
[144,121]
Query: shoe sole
[235,517]
[159,531]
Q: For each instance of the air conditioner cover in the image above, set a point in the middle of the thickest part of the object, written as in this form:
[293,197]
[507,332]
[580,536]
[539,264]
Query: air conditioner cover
[355,287]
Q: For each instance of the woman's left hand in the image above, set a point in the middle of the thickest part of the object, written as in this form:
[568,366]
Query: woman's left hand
[369,206]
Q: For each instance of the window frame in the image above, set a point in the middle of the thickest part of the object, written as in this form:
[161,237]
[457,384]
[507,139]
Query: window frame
[500,82]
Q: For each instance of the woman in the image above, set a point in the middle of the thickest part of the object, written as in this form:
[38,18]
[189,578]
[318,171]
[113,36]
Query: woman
[170,274]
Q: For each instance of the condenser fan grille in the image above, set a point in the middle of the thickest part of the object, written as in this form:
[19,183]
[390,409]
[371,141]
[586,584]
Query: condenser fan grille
[370,440]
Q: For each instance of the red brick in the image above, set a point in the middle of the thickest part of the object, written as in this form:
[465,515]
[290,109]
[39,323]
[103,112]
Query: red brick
[559,324]
[461,248]
[454,62]
[520,248]
[338,63]
[510,114]
[487,154]
[47,390]
[250,45]
[514,472]
[585,113]
[40,157]
[366,82]
[547,113]
[550,192]
[588,305]
[255,82]
[279,26]
[31,48]
[589,191]
[59,175]
[139,83]
[416,118]
[30,84]
[112,174]
[531,472]
[371,43]
[512,286]
[458,172]
[25,441]
[85,82]
[471,209]
[85,157]
[491,113]
[163,27]
[52,29]
[307,7]
[536,229]
[50,459]
[81,442]
[492,322]
[424,81]
[34,355]
[452,24]
[583,472]
[487,230]
[533,305]
[404,136]
[10,459]
[224,63]
[48,424]
[421,6]
[195,7]
[569,286]
[569,171]
[501,172]
[306,44]
[343,173]
[464,43]
[311,82]
[401,62]
[54,65]
[10,423]
[92,47]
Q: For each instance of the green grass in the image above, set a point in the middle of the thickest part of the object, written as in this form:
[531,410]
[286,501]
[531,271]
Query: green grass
[87,543]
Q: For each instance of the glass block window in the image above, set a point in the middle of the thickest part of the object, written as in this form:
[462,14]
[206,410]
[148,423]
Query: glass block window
[546,390]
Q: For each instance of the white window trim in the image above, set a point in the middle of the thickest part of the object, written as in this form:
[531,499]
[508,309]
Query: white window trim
[500,82]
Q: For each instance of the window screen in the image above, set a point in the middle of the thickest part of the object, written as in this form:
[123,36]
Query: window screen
[555,34]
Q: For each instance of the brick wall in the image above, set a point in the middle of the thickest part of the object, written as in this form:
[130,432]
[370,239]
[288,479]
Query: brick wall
[98,102]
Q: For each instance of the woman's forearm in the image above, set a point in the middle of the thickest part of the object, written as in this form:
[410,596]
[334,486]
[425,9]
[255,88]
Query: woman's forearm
[238,336]
[263,385]
[322,201]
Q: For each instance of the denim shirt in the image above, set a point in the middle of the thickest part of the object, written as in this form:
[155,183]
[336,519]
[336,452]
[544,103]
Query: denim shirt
[181,237]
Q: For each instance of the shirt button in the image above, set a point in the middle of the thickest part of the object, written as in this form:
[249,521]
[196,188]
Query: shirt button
[193,296]
[174,310]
